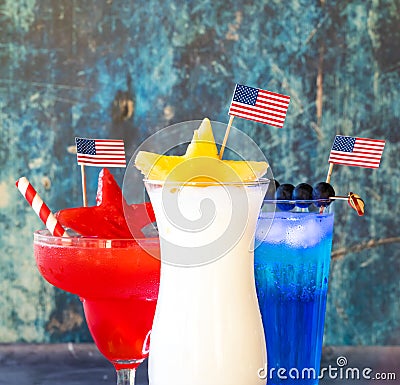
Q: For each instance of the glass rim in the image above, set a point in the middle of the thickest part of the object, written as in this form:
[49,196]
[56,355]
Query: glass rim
[298,201]
[257,182]
[292,214]
[75,239]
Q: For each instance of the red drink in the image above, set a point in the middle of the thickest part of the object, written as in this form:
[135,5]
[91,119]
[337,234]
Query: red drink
[117,281]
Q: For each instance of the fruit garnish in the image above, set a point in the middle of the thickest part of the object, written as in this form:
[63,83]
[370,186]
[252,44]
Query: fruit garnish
[284,192]
[356,203]
[322,191]
[203,142]
[107,219]
[303,192]
[200,163]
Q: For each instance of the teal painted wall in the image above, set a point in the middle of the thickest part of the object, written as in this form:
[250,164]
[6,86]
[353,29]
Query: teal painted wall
[64,65]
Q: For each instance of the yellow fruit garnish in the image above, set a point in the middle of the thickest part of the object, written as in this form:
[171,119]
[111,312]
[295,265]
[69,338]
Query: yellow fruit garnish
[199,164]
[203,142]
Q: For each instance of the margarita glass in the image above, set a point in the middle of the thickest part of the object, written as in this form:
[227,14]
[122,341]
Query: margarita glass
[291,271]
[117,281]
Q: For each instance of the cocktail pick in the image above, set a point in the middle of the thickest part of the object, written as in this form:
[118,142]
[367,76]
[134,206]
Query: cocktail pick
[228,129]
[40,208]
[354,201]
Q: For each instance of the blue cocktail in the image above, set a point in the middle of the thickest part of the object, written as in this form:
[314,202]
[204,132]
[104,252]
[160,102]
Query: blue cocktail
[291,271]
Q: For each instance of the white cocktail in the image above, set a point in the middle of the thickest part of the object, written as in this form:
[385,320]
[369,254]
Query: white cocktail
[207,329]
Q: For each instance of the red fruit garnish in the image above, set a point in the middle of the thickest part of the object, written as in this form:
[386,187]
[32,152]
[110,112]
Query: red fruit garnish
[107,219]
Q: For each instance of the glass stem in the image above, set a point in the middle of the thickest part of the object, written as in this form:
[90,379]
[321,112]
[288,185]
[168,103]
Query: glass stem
[126,376]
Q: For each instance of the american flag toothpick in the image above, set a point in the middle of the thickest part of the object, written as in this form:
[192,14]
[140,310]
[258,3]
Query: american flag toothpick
[354,151]
[258,105]
[100,153]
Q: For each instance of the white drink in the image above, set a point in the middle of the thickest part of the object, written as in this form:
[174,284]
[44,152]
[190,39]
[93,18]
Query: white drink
[207,328]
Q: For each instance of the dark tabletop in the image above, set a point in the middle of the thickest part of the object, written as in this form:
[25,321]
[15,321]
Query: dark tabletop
[82,364]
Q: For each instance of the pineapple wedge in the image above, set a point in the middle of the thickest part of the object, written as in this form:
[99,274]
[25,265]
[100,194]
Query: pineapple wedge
[203,142]
[199,164]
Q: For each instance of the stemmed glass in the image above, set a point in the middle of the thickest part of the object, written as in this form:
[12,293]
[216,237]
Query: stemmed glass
[117,281]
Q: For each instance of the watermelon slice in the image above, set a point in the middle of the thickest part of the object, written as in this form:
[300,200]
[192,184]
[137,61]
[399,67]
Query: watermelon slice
[107,218]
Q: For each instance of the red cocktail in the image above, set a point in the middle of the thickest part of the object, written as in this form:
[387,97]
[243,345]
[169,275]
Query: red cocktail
[117,281]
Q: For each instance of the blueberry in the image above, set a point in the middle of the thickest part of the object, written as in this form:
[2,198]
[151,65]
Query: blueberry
[303,191]
[285,192]
[273,185]
[323,190]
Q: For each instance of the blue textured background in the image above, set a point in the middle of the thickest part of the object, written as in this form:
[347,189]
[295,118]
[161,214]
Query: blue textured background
[64,65]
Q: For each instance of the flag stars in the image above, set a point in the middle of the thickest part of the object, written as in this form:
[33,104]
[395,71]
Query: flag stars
[86,146]
[344,143]
[244,94]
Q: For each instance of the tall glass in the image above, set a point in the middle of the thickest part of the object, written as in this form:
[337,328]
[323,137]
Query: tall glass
[117,281]
[207,328]
[291,271]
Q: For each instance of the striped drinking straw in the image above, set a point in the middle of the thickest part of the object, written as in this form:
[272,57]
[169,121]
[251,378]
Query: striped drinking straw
[40,208]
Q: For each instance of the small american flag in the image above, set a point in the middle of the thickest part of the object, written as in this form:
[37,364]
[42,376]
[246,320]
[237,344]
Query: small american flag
[100,152]
[360,152]
[259,105]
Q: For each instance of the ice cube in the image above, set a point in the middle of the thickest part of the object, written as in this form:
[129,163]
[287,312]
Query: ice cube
[306,232]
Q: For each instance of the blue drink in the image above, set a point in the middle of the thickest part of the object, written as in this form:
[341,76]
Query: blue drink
[291,272]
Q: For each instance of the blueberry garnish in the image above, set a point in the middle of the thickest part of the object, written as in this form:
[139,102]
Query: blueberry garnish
[273,185]
[323,190]
[303,192]
[285,192]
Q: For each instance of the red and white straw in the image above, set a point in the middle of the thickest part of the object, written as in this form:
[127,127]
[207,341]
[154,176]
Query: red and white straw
[40,208]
